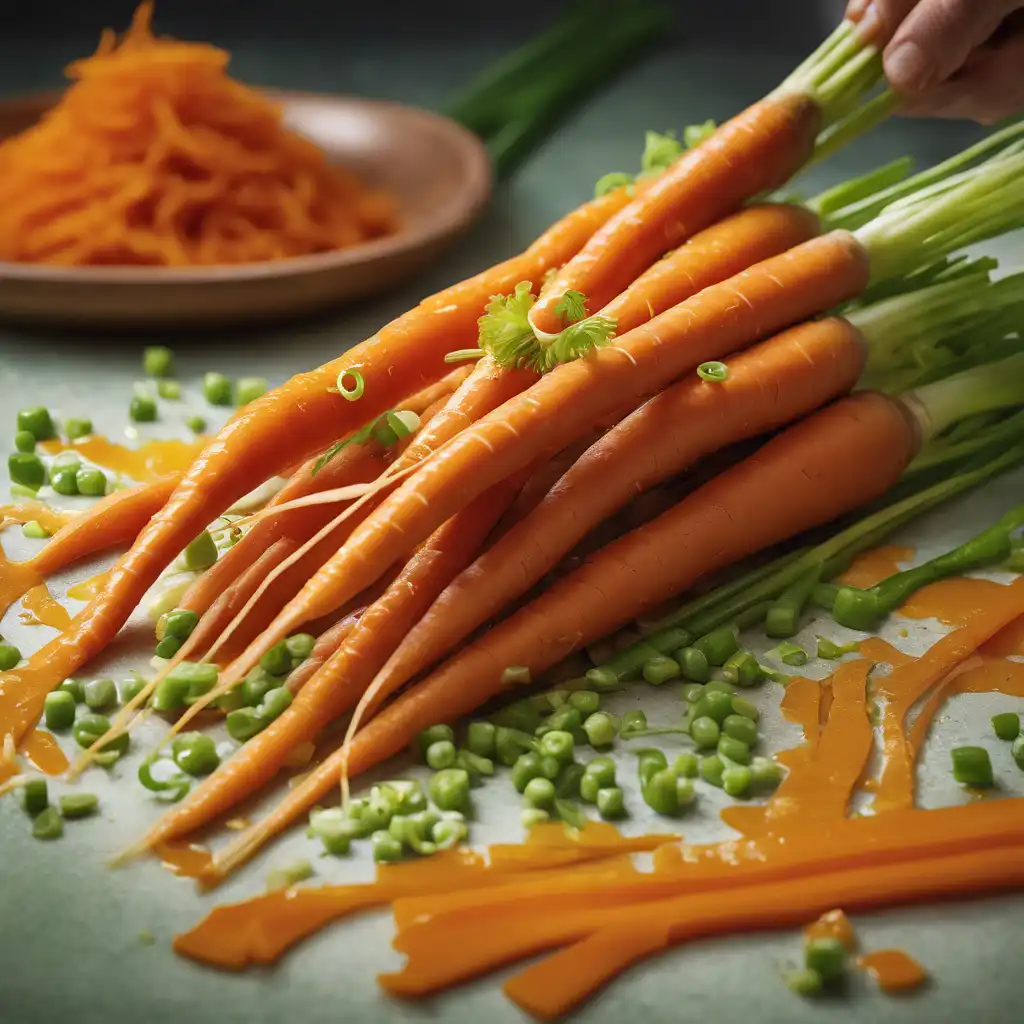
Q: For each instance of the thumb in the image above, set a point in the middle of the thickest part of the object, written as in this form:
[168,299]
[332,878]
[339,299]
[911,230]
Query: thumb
[936,38]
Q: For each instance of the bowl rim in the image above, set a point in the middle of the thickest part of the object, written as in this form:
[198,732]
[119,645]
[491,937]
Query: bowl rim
[440,223]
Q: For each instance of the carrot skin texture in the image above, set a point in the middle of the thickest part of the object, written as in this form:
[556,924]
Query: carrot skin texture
[326,645]
[769,385]
[754,234]
[291,422]
[757,151]
[835,460]
[339,683]
[722,318]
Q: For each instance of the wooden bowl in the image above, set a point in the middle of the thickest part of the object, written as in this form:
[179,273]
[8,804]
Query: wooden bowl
[438,171]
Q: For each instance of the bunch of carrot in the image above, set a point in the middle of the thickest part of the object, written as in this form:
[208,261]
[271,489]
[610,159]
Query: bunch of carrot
[598,376]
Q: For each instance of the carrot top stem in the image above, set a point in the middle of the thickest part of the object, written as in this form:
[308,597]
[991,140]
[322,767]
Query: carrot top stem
[967,208]
[858,211]
[856,190]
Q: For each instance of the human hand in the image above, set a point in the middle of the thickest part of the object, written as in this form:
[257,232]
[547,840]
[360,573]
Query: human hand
[950,58]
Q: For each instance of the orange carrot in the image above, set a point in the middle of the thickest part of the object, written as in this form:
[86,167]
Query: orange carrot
[327,644]
[112,521]
[564,405]
[757,151]
[294,421]
[338,685]
[768,386]
[838,458]
[357,463]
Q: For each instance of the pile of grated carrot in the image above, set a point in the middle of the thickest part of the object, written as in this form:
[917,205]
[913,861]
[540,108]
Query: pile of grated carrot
[156,156]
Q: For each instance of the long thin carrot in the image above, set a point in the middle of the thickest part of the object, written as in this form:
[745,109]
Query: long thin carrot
[339,683]
[769,385]
[836,459]
[113,521]
[327,644]
[355,464]
[294,421]
[565,403]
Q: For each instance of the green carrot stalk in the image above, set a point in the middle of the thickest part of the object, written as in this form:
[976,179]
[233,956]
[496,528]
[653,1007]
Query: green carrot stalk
[783,617]
[865,609]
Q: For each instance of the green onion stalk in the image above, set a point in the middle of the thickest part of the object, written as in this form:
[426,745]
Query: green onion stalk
[517,102]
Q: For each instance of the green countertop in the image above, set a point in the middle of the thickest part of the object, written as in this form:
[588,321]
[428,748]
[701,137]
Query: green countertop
[71,950]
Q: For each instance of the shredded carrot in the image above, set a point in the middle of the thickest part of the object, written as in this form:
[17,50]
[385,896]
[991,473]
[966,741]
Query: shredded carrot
[156,156]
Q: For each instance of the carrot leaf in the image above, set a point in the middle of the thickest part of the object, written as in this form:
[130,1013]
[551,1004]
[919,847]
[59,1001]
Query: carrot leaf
[505,331]
[572,306]
[577,340]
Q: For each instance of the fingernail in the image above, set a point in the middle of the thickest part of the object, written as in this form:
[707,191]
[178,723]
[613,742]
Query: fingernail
[855,9]
[907,67]
[870,24]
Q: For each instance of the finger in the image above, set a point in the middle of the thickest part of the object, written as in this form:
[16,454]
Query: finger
[989,88]
[936,37]
[879,19]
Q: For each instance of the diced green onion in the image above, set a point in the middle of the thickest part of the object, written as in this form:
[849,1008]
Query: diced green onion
[167,648]
[713,371]
[288,875]
[743,668]
[169,790]
[169,390]
[525,768]
[201,554]
[570,813]
[694,664]
[741,728]
[333,829]
[217,389]
[196,424]
[59,710]
[358,388]
[64,481]
[24,441]
[278,660]
[179,623]
[718,645]
[692,692]
[481,738]
[712,769]
[540,792]
[274,704]
[804,982]
[35,796]
[89,728]
[248,389]
[26,469]
[78,805]
[74,687]
[826,956]
[131,688]
[516,675]
[734,750]
[1017,752]
[142,409]
[9,657]
[746,708]
[705,732]
[832,651]
[632,722]
[650,761]
[38,422]
[660,792]
[48,824]
[610,803]
[157,361]
[737,780]
[195,753]
[257,684]
[558,744]
[99,694]
[76,428]
[530,816]
[475,765]
[600,729]
[33,531]
[433,734]
[449,789]
[586,702]
[1006,726]
[686,765]
[440,755]
[714,704]
[972,766]
[790,654]
[300,645]
[660,669]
